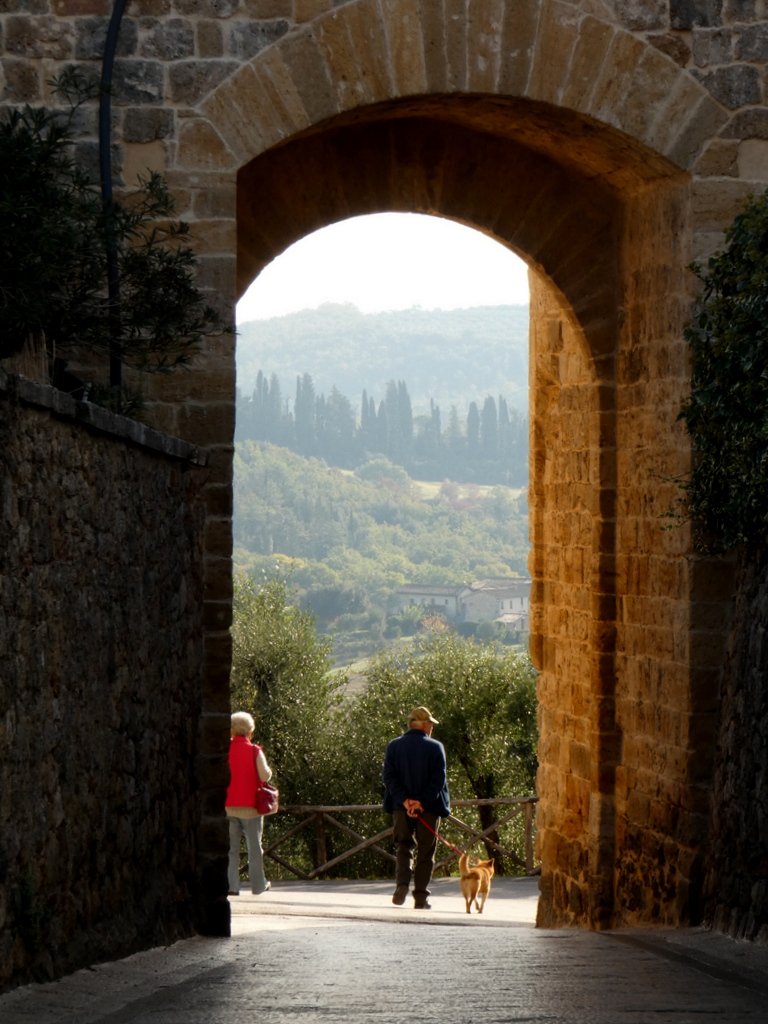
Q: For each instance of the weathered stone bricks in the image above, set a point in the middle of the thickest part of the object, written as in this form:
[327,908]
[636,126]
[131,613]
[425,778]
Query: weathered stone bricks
[281,95]
[484,21]
[39,37]
[594,40]
[712,46]
[557,33]
[20,81]
[642,15]
[191,81]
[67,8]
[752,43]
[210,39]
[306,10]
[207,8]
[310,75]
[518,35]
[142,124]
[167,40]
[91,35]
[673,46]
[229,108]
[248,38]
[688,14]
[735,85]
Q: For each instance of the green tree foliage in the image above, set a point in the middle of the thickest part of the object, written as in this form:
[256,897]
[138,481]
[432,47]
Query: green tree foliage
[330,751]
[51,238]
[328,603]
[53,252]
[485,698]
[489,429]
[280,675]
[727,411]
[367,531]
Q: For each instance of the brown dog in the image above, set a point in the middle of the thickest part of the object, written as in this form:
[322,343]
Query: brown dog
[475,881]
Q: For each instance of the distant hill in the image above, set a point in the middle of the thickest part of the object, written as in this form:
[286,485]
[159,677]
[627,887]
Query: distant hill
[453,356]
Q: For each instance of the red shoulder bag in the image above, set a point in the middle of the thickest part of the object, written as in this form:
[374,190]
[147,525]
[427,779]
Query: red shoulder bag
[267,797]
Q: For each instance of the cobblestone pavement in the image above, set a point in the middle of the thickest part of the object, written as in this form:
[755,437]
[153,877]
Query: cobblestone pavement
[360,959]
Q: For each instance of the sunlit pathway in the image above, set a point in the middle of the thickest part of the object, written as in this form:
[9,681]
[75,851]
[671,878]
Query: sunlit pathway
[370,961]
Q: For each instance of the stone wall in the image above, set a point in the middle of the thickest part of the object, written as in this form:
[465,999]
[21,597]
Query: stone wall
[101,552]
[564,498]
[736,864]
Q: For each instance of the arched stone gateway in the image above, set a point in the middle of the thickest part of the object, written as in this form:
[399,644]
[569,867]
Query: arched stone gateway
[608,143]
[572,142]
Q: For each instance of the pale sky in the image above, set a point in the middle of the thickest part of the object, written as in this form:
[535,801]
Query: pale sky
[388,261]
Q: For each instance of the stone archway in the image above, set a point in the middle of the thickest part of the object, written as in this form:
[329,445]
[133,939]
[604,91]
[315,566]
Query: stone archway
[572,224]
[582,167]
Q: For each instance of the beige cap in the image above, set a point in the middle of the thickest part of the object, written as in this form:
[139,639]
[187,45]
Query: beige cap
[422,715]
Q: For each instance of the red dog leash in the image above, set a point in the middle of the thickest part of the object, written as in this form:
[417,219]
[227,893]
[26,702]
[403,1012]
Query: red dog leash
[435,833]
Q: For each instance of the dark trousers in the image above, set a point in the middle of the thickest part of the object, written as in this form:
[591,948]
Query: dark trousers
[409,833]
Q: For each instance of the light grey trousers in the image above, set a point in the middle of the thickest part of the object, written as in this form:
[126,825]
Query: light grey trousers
[251,828]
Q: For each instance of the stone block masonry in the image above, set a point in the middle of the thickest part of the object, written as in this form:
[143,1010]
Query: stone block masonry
[101,668]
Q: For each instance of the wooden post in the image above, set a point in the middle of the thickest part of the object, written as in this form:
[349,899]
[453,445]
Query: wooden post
[529,838]
[321,854]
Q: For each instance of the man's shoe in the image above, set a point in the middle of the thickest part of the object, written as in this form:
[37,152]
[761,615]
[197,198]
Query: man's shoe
[422,905]
[398,897]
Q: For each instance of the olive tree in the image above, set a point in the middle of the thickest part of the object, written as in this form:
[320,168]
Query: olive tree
[484,696]
[328,750]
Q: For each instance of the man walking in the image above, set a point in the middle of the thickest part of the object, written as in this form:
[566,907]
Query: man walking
[416,788]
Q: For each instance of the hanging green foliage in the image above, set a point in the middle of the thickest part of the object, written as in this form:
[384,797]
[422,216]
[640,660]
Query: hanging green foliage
[727,410]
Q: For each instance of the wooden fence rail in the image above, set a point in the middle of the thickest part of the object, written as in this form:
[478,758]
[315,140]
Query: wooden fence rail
[322,816]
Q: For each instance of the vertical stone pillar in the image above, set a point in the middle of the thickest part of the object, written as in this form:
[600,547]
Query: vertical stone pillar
[570,644]
[199,405]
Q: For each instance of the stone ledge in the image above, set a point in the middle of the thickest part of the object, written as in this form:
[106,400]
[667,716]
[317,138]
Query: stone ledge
[97,418]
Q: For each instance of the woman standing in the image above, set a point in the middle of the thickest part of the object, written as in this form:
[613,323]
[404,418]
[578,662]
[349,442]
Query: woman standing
[247,764]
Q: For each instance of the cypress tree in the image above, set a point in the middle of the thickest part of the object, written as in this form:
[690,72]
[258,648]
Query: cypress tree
[273,410]
[473,431]
[382,431]
[489,430]
[405,420]
[304,414]
[393,450]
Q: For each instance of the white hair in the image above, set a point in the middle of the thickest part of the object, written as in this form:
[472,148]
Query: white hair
[242,723]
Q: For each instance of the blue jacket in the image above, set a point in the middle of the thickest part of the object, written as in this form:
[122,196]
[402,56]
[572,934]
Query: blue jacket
[414,767]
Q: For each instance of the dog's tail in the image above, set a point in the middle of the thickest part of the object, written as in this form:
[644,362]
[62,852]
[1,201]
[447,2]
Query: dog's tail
[464,866]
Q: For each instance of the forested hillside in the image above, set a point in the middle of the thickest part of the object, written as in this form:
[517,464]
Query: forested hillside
[488,446]
[339,531]
[453,356]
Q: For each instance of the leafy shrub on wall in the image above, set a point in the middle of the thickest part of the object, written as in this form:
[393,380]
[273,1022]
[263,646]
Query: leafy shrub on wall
[727,411]
[54,251]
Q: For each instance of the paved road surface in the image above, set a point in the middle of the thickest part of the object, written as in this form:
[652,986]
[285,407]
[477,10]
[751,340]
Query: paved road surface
[340,952]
